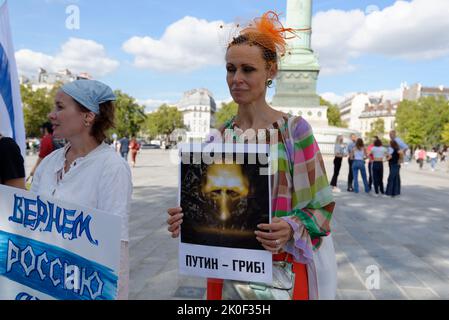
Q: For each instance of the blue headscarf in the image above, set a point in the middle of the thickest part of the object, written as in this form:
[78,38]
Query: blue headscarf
[89,93]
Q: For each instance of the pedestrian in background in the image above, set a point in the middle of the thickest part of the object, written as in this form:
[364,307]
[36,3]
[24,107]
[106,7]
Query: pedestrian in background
[124,147]
[359,155]
[433,156]
[351,146]
[378,153]
[444,154]
[134,148]
[340,153]
[46,145]
[370,162]
[394,179]
[422,156]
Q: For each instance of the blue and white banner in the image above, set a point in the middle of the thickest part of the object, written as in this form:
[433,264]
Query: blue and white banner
[51,249]
[11,113]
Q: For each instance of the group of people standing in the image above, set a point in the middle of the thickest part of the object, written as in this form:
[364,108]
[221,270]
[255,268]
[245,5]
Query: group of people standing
[376,154]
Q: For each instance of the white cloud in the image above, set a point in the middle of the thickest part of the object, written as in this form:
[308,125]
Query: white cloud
[152,104]
[412,30]
[186,45]
[28,61]
[332,97]
[332,31]
[393,95]
[77,55]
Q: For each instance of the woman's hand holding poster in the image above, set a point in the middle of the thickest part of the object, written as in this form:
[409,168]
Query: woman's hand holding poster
[225,195]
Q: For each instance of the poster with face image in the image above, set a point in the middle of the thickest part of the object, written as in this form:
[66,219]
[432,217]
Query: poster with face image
[50,249]
[225,194]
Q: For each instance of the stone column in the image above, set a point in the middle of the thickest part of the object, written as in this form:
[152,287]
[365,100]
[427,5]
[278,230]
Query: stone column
[299,17]
[299,69]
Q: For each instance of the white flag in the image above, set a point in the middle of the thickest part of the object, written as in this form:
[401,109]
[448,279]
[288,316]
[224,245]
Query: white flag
[11,113]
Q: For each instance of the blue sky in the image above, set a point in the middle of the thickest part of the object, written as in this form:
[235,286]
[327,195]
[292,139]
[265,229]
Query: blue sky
[363,45]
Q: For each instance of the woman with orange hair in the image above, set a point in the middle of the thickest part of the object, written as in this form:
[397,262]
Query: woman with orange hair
[302,202]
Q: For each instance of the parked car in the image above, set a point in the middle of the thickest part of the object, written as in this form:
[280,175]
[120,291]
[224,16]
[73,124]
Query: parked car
[149,146]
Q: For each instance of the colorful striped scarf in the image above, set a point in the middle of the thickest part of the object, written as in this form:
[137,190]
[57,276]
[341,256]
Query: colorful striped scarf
[300,188]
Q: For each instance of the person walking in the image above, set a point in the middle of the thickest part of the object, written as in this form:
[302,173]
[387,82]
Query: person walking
[379,154]
[340,153]
[359,154]
[445,157]
[134,148]
[444,153]
[394,179]
[351,146]
[46,145]
[416,154]
[433,156]
[408,157]
[124,147]
[422,156]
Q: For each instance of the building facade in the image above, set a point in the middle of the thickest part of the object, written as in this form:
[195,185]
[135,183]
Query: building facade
[382,110]
[417,90]
[351,109]
[198,108]
[47,80]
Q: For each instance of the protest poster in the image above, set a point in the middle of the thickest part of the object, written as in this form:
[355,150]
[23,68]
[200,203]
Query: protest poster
[51,249]
[225,193]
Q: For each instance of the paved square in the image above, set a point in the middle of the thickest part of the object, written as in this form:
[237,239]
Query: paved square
[406,239]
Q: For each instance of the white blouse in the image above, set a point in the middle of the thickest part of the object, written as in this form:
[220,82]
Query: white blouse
[100,180]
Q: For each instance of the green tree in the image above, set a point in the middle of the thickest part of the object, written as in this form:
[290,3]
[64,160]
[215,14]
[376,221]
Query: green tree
[377,129]
[129,115]
[164,121]
[421,122]
[36,107]
[436,112]
[445,134]
[333,114]
[409,122]
[227,111]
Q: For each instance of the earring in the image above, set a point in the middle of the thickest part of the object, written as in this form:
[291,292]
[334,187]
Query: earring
[87,124]
[269,83]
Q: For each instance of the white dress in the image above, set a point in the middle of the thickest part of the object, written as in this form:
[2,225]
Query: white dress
[322,273]
[100,180]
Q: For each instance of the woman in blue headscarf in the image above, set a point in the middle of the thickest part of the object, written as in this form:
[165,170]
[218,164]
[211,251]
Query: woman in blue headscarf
[87,171]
